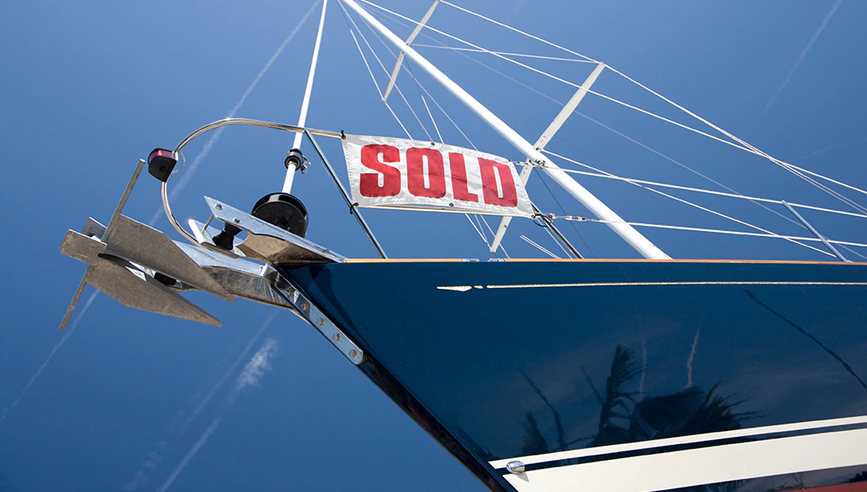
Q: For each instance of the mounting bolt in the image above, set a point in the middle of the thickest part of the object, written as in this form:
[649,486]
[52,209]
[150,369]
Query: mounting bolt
[353,353]
[515,467]
[236,220]
[321,321]
[219,206]
[304,306]
[337,337]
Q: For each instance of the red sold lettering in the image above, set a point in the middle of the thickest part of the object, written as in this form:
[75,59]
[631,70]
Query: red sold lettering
[491,171]
[459,178]
[369,182]
[415,170]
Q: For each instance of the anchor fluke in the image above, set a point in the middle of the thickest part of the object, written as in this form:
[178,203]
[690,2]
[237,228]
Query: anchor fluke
[135,264]
[134,288]
[129,276]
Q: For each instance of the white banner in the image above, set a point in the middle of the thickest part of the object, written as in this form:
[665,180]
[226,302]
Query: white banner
[400,173]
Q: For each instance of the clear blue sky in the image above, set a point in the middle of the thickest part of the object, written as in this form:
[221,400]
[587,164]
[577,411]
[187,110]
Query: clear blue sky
[90,87]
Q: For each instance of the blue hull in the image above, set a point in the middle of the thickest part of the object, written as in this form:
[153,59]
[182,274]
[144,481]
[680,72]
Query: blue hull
[524,359]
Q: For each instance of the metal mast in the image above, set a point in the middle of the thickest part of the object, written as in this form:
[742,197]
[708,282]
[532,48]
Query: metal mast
[305,104]
[593,204]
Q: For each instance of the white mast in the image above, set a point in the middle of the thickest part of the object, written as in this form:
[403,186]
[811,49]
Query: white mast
[543,140]
[305,104]
[599,209]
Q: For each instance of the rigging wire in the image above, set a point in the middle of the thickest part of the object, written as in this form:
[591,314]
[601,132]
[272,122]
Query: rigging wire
[603,174]
[479,218]
[564,81]
[421,87]
[402,96]
[515,29]
[615,131]
[537,246]
[520,55]
[715,231]
[424,101]
[510,102]
[545,182]
[485,239]
[406,66]
[851,250]
[558,243]
[574,144]
[675,161]
[798,171]
[535,119]
[705,209]
[347,19]
[445,113]
[734,192]
[744,146]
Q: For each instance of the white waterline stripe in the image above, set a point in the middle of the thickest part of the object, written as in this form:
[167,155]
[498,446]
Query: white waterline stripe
[456,288]
[646,284]
[710,465]
[672,441]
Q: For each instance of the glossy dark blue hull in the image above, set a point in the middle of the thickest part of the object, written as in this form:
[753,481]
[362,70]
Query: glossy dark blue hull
[505,360]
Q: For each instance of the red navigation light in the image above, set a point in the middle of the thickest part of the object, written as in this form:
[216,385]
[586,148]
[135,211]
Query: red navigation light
[161,162]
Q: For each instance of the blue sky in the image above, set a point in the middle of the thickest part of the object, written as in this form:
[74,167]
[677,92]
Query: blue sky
[134,401]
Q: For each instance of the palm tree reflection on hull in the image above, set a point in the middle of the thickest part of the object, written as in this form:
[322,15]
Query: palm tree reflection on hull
[627,416]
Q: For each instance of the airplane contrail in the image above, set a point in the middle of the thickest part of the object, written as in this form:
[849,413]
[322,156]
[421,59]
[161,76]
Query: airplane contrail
[803,54]
[190,455]
[50,355]
[253,371]
[150,464]
[256,368]
[215,136]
